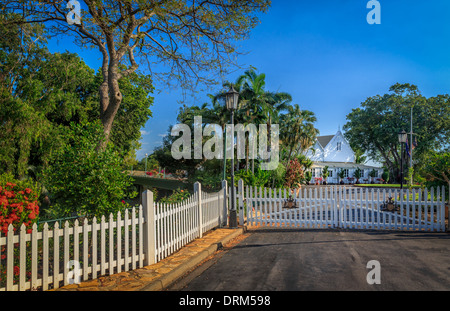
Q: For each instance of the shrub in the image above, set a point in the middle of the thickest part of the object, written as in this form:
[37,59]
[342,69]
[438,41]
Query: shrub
[260,178]
[18,203]
[154,173]
[85,181]
[294,174]
[177,196]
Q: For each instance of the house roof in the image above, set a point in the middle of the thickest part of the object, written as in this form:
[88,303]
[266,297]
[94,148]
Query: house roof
[325,140]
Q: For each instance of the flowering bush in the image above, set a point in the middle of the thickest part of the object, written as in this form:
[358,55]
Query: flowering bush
[18,204]
[294,174]
[155,173]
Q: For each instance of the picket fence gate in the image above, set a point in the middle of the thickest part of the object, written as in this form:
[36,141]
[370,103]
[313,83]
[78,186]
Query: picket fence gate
[53,257]
[343,207]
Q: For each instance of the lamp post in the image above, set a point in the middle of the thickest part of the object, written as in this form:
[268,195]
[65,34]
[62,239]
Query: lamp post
[402,137]
[231,99]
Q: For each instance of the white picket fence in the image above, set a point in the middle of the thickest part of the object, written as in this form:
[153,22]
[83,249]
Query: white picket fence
[177,225]
[344,207]
[52,257]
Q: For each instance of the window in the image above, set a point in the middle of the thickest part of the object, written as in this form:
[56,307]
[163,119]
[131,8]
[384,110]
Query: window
[316,172]
[330,173]
[339,146]
[346,173]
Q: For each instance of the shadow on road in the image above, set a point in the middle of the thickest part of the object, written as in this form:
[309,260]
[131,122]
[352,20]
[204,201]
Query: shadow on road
[363,236]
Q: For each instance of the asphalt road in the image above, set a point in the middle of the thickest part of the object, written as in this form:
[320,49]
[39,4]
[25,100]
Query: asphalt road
[326,260]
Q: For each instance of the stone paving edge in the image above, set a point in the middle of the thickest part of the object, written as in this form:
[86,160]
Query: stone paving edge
[172,276]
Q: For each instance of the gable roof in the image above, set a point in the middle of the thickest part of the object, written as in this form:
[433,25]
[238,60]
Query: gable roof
[325,140]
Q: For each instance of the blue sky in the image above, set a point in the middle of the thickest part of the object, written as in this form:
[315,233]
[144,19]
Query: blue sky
[326,55]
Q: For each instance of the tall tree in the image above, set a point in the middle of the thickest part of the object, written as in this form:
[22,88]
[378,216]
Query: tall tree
[374,126]
[189,39]
[41,93]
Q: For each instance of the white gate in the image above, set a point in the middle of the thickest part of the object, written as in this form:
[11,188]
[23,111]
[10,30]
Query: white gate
[344,207]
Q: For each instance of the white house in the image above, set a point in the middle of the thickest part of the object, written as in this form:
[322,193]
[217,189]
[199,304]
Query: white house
[335,152]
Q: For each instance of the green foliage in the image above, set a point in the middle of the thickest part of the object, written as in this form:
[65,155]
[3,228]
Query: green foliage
[297,131]
[436,170]
[357,174]
[37,97]
[84,181]
[308,176]
[278,176]
[386,176]
[133,113]
[177,196]
[326,172]
[409,179]
[374,126]
[209,180]
[48,91]
[260,178]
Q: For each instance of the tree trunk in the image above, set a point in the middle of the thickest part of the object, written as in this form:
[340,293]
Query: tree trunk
[110,98]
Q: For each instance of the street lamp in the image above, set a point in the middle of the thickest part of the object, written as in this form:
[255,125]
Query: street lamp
[232,98]
[402,137]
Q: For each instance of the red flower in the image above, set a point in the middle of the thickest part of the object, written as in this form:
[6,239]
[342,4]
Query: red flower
[32,215]
[16,270]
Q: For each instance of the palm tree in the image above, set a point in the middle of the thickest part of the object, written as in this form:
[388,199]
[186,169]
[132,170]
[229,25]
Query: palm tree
[298,131]
[259,105]
[291,130]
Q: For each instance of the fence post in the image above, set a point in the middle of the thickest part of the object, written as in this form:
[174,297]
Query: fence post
[198,194]
[149,234]
[219,209]
[241,201]
[225,203]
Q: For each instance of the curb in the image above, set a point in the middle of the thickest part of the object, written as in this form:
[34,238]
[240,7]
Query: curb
[169,278]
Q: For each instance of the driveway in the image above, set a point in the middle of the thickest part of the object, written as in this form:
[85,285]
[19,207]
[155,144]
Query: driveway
[327,260]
